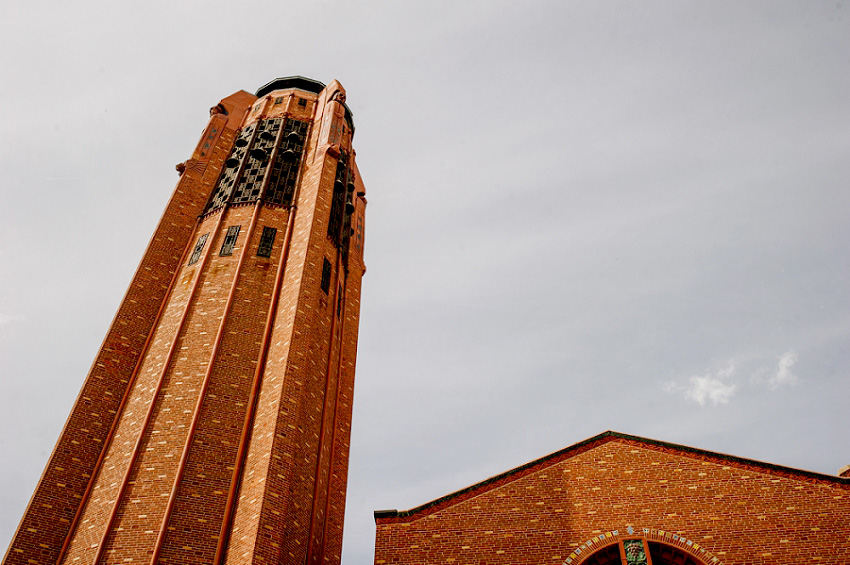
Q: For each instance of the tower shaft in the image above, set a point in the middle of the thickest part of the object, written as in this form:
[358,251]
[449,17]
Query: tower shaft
[214,424]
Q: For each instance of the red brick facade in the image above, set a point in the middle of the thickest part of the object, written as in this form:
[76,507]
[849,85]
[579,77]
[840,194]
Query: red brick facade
[584,505]
[214,424]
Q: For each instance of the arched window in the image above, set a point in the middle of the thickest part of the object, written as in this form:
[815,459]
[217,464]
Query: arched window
[640,552]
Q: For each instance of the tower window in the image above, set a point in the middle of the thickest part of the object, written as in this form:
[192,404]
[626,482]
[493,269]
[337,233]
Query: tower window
[278,100]
[230,240]
[266,242]
[302,102]
[199,247]
[326,276]
[339,301]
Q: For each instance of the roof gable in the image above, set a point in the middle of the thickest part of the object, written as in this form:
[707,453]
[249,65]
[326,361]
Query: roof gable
[496,481]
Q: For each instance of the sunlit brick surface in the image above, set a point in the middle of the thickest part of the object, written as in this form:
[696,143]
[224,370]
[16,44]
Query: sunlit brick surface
[156,461]
[735,511]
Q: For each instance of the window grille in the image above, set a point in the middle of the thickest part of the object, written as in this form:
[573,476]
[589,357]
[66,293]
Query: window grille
[199,247]
[281,187]
[257,163]
[266,242]
[338,202]
[342,208]
[250,163]
[229,240]
[232,167]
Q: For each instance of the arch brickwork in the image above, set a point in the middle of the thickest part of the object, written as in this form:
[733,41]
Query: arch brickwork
[611,548]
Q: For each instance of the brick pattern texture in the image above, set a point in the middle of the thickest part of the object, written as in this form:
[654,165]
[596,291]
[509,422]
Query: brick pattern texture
[566,507]
[215,421]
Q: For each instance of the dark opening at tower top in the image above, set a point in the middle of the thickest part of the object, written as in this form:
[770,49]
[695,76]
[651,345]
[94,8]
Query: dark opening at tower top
[297,81]
[302,83]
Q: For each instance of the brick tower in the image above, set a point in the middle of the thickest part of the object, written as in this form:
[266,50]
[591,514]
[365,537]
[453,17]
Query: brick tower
[213,427]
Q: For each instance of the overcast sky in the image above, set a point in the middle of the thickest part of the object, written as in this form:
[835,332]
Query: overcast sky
[582,216]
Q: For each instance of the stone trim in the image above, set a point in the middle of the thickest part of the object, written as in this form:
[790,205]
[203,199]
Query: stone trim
[601,541]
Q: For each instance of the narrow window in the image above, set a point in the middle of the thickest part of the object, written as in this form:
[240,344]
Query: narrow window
[199,246]
[266,242]
[326,276]
[339,301]
[229,240]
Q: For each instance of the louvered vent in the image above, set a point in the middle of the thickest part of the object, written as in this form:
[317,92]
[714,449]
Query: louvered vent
[248,163]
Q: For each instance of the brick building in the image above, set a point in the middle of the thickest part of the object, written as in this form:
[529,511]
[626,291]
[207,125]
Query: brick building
[214,424]
[213,427]
[625,500]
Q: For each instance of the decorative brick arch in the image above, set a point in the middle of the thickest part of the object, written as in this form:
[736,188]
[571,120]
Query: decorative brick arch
[662,547]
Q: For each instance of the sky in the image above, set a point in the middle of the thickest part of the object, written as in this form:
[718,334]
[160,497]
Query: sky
[582,216]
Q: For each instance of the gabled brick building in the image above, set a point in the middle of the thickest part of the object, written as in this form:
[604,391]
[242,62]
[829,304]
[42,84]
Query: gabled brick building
[620,499]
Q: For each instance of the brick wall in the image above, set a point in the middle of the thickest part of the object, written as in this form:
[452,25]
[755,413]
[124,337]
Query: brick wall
[735,511]
[233,359]
[66,480]
[303,419]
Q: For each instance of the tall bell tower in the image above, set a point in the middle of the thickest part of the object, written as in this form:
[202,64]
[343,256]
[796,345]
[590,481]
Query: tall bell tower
[213,427]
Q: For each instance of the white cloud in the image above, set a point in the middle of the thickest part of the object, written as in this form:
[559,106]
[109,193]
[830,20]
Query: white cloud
[5,319]
[710,387]
[779,375]
[718,387]
[783,375]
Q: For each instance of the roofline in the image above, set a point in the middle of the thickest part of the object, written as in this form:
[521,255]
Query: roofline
[592,442]
[294,81]
[302,83]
